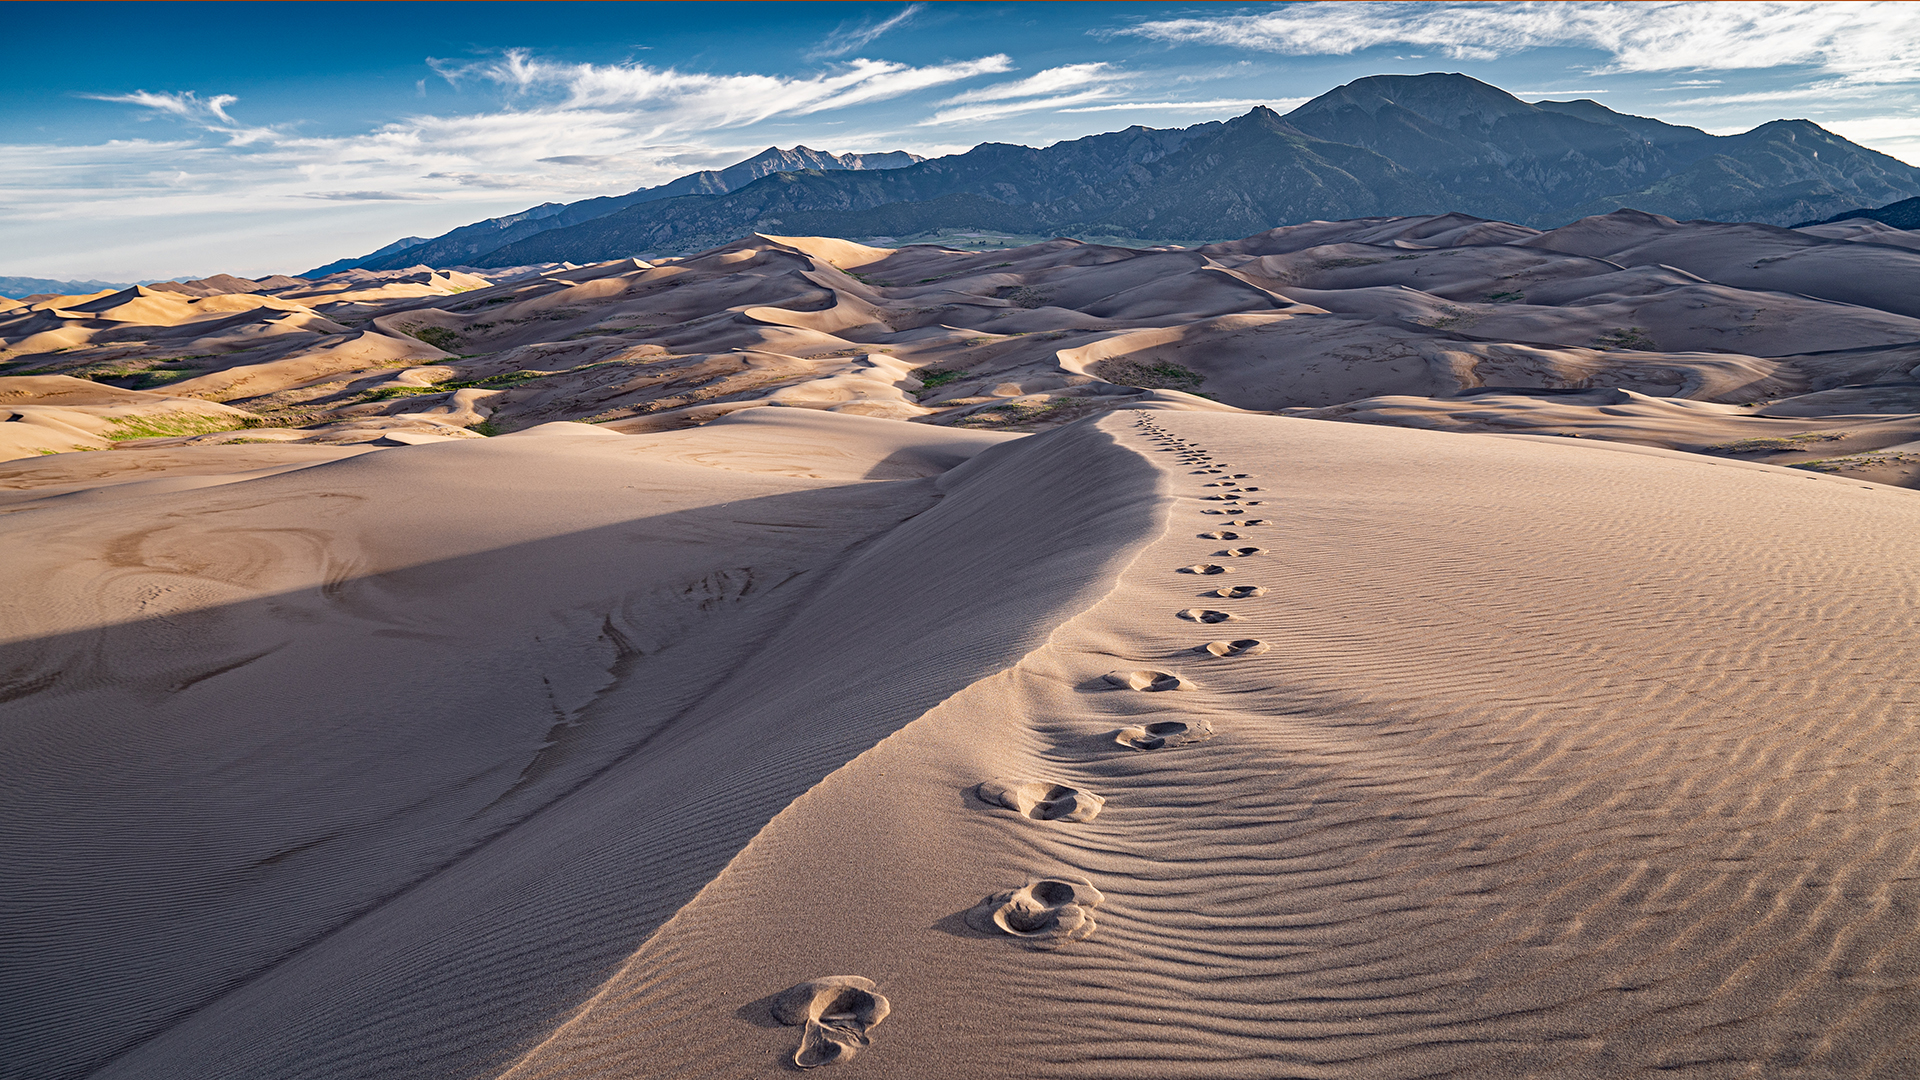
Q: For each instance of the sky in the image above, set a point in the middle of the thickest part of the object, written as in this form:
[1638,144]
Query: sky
[144,141]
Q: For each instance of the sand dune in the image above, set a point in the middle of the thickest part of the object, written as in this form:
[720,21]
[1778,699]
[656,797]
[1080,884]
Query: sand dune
[1327,315]
[923,663]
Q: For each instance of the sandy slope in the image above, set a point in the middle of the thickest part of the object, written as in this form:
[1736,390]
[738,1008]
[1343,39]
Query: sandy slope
[1564,761]
[389,758]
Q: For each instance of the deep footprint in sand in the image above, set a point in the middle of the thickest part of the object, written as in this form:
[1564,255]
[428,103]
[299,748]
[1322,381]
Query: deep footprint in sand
[1164,735]
[1219,535]
[1147,679]
[1046,913]
[1226,510]
[837,1013]
[1237,592]
[1206,568]
[1041,800]
[1254,521]
[1206,615]
[1240,647]
[1239,553]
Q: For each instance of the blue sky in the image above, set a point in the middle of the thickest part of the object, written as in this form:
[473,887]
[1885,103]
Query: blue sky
[155,140]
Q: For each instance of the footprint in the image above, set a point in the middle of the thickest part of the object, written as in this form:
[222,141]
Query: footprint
[1165,735]
[1249,487]
[1243,476]
[1205,568]
[837,1012]
[1218,535]
[1148,679]
[1237,592]
[1048,913]
[1221,498]
[1224,510]
[1042,800]
[1242,647]
[1239,552]
[1254,521]
[1206,615]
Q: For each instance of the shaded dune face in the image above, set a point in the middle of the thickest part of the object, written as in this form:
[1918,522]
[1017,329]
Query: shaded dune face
[1785,346]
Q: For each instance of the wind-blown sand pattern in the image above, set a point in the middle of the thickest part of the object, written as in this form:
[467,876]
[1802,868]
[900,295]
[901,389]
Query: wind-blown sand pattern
[388,749]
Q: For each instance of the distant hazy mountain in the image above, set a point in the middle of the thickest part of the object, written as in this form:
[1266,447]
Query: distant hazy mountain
[17,287]
[1904,214]
[463,244]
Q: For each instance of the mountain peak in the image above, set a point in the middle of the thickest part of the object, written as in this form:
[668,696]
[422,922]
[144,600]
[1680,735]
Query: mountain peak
[1444,98]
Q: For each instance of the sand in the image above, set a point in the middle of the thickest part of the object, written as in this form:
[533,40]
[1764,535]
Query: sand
[815,723]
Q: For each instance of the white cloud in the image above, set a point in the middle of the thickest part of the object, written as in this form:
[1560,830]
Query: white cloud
[366,196]
[1867,41]
[186,105]
[847,38]
[995,110]
[1050,81]
[1276,104]
[683,101]
[1897,136]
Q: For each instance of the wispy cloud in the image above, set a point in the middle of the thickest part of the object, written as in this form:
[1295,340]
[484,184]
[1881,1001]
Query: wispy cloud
[1276,104]
[364,196]
[680,101]
[995,109]
[1050,81]
[1867,41]
[850,36]
[1054,88]
[186,105]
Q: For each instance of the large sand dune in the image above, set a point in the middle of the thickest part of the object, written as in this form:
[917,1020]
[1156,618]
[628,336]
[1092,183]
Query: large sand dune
[912,616]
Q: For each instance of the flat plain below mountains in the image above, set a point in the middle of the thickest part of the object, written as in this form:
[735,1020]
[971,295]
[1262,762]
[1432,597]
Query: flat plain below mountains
[1411,646]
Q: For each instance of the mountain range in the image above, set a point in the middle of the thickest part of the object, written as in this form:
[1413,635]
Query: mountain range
[466,243]
[1381,146]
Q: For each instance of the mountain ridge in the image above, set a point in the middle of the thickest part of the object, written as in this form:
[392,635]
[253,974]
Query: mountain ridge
[1379,146]
[456,246]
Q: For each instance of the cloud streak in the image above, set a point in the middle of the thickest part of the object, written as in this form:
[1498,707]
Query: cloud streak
[846,39]
[1876,42]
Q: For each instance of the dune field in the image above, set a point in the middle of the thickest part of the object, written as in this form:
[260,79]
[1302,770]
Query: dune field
[1393,648]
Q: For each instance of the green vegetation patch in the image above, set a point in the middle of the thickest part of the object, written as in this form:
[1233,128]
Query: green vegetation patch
[1859,461]
[1507,297]
[1159,375]
[1626,337]
[440,337]
[176,425]
[933,377]
[491,382]
[1801,441]
[1025,297]
[1020,413]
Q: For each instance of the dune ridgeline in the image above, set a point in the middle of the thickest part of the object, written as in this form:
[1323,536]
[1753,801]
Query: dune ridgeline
[1393,647]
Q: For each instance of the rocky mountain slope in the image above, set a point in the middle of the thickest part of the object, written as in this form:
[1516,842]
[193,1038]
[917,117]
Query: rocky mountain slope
[1381,146]
[464,244]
